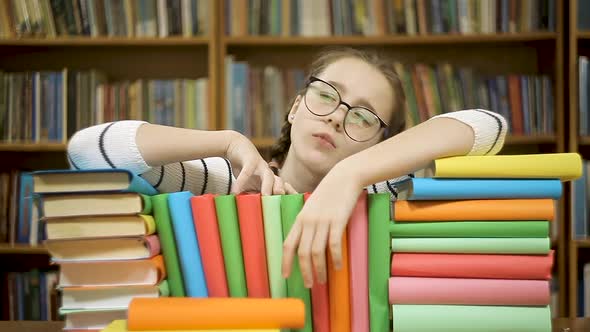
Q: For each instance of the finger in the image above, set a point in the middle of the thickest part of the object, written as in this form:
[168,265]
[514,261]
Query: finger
[278,187]
[289,247]
[304,254]
[289,189]
[336,231]
[268,178]
[318,251]
[242,179]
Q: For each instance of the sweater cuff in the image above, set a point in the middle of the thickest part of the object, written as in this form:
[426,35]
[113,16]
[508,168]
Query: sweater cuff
[108,145]
[489,129]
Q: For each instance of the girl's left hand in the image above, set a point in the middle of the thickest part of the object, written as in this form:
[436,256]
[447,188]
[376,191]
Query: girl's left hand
[321,222]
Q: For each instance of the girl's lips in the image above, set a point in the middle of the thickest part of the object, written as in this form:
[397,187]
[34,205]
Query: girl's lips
[325,139]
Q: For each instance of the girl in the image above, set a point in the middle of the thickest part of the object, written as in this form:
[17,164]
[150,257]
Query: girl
[343,133]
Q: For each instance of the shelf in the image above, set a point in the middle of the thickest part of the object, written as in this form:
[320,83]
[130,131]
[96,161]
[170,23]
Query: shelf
[584,140]
[263,142]
[32,147]
[388,40]
[583,34]
[19,249]
[105,41]
[531,139]
[585,243]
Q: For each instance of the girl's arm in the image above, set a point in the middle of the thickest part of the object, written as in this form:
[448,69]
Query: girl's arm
[324,217]
[167,156]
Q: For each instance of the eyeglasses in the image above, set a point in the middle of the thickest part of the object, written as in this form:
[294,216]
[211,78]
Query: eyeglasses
[360,123]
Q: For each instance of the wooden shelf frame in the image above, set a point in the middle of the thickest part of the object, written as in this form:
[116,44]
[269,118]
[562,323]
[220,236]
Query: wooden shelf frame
[108,41]
[20,249]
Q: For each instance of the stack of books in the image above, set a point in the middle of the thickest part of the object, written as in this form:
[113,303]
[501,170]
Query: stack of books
[471,245]
[101,233]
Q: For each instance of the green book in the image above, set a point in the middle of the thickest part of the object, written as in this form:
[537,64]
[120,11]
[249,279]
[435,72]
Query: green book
[522,246]
[379,261]
[231,245]
[469,229]
[452,318]
[169,251]
[273,238]
[290,207]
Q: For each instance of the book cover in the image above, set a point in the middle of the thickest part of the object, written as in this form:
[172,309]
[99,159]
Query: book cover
[379,252]
[273,238]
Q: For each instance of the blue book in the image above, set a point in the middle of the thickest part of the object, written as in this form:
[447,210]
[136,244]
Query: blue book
[90,180]
[453,189]
[25,208]
[187,243]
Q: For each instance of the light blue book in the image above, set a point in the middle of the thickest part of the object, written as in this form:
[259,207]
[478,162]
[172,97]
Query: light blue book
[454,189]
[187,244]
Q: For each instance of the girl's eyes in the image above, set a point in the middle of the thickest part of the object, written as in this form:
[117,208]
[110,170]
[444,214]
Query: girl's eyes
[327,96]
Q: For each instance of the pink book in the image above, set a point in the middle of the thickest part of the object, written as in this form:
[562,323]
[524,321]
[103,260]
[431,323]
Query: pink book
[358,255]
[455,291]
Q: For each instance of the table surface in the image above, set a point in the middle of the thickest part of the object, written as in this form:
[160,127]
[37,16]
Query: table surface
[559,325]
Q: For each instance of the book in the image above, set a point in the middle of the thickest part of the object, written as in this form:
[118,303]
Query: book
[456,189]
[91,319]
[189,254]
[231,244]
[89,204]
[120,325]
[99,226]
[339,289]
[472,210]
[112,273]
[290,207]
[564,166]
[207,229]
[214,313]
[166,235]
[468,229]
[102,249]
[379,252]
[457,291]
[358,266]
[253,244]
[273,239]
[117,297]
[448,318]
[533,246]
[530,267]
[91,180]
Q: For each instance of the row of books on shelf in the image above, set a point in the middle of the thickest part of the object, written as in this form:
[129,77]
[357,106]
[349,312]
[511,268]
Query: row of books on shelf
[583,93]
[121,18]
[52,106]
[526,101]
[118,238]
[580,199]
[584,291]
[378,17]
[30,295]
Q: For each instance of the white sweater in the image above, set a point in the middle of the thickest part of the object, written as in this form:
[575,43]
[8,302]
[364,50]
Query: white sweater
[113,145]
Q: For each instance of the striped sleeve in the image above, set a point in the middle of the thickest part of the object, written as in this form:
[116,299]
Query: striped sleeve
[489,128]
[389,186]
[113,145]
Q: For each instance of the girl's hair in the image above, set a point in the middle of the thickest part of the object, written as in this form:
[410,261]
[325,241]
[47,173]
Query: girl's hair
[385,66]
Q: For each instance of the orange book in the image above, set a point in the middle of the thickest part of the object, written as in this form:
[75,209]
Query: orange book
[491,209]
[320,301]
[338,284]
[207,229]
[253,244]
[186,313]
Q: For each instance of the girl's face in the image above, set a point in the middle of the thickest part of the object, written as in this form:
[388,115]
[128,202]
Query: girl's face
[321,141]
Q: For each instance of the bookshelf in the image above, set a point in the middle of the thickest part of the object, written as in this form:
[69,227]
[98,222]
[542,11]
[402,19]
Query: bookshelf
[123,58]
[579,249]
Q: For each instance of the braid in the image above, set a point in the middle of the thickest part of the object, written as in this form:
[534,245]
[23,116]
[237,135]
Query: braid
[280,149]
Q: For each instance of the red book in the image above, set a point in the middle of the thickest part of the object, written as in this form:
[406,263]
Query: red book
[207,229]
[320,301]
[253,245]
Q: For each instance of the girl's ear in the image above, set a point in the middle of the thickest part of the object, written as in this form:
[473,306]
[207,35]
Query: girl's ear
[293,109]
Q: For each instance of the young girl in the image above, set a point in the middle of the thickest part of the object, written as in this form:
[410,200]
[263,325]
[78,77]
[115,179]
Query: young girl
[343,133]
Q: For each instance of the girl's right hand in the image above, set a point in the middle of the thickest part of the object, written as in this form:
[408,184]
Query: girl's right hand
[253,172]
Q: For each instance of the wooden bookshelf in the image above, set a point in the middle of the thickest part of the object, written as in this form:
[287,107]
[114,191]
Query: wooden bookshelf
[578,41]
[107,41]
[453,39]
[22,249]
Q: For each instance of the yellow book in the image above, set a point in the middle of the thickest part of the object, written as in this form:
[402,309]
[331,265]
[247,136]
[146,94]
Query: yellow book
[121,326]
[565,166]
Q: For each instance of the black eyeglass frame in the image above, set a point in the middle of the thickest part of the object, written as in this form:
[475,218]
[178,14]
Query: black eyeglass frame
[312,79]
